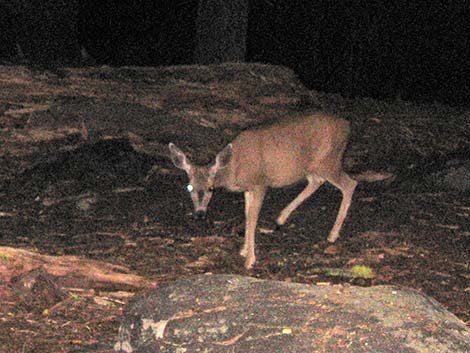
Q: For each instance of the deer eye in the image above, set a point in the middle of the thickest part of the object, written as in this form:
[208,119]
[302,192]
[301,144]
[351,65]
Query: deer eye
[189,187]
[211,189]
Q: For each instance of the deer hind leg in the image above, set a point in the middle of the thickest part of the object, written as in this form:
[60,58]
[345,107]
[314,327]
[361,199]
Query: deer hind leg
[347,185]
[314,183]
[253,202]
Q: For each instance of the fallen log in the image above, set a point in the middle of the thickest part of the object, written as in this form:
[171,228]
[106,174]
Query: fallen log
[69,271]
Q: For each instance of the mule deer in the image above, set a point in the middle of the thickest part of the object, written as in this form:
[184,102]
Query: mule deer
[311,147]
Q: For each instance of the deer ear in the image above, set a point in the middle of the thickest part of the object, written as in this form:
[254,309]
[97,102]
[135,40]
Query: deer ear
[223,157]
[178,158]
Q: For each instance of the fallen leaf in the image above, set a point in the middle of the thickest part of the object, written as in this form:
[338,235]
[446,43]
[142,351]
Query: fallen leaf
[208,239]
[448,226]
[362,271]
[201,262]
[331,250]
[399,251]
[8,214]
[338,331]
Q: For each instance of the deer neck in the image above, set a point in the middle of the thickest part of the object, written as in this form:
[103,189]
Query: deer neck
[225,179]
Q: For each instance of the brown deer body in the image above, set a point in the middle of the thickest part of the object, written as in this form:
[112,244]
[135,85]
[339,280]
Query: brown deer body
[278,155]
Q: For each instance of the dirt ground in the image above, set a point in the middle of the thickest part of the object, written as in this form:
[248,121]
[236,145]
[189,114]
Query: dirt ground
[413,239]
[92,202]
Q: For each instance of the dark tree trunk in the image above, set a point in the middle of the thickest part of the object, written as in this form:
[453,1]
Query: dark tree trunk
[221,31]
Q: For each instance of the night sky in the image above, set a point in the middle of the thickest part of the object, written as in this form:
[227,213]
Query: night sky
[416,50]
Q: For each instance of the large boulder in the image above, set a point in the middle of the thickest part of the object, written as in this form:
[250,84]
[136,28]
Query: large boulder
[225,313]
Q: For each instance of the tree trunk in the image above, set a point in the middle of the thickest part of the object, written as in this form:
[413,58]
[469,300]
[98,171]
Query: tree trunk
[221,31]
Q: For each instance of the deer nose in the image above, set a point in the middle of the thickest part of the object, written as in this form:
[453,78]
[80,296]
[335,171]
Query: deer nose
[200,215]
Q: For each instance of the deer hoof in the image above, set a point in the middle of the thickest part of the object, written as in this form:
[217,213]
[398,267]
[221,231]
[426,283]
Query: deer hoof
[332,237]
[250,261]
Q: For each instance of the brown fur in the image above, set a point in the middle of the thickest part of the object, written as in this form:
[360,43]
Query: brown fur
[278,155]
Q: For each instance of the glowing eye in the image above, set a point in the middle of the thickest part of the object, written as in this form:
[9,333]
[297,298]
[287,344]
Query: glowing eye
[189,188]
[211,189]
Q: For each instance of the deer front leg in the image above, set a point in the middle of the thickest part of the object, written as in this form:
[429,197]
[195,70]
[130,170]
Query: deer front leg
[253,202]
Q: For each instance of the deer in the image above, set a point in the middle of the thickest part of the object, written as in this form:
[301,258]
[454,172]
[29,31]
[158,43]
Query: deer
[283,153]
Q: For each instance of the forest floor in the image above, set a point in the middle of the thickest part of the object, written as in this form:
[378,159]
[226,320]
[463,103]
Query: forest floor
[413,239]
[92,202]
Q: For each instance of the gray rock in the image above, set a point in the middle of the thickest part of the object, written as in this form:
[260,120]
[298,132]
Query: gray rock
[225,313]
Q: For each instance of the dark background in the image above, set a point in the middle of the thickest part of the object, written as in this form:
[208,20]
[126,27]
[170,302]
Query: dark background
[415,50]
